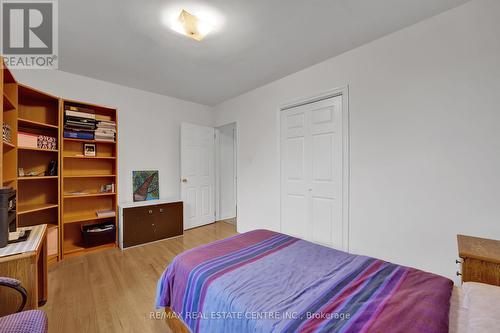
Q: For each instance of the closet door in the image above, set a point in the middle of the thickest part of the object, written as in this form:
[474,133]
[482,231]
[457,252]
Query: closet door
[326,171]
[311,171]
[295,172]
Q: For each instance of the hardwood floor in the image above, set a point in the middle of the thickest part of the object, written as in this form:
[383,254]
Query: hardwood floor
[114,291]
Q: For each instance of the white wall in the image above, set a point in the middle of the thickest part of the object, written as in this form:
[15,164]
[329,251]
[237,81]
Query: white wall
[148,124]
[425,138]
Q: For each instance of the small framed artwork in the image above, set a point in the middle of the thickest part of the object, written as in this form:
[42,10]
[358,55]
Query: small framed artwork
[89,149]
[145,185]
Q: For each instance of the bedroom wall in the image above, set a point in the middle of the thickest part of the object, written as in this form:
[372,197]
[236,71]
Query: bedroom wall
[149,124]
[425,138]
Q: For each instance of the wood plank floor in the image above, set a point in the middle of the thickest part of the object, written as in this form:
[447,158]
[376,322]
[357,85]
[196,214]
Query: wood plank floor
[114,291]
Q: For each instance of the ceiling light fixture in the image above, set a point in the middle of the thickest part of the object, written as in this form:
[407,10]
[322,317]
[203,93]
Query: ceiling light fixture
[193,18]
[191,26]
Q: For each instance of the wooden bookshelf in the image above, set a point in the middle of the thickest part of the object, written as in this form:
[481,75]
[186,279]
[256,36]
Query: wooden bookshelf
[84,176]
[8,161]
[38,197]
[68,200]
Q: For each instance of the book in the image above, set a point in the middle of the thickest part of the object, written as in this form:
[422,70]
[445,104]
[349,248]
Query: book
[76,193]
[79,125]
[105,213]
[79,114]
[80,108]
[80,119]
[107,122]
[104,135]
[78,135]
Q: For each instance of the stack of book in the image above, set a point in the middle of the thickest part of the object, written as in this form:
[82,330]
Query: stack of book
[79,123]
[106,130]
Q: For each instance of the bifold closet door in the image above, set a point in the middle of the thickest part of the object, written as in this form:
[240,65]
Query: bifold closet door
[311,171]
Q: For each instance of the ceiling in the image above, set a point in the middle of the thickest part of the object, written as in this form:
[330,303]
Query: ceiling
[259,41]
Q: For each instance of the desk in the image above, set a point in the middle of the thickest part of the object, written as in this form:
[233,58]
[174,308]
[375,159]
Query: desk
[27,262]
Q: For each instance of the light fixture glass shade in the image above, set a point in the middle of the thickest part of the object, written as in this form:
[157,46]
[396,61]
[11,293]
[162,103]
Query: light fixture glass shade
[191,26]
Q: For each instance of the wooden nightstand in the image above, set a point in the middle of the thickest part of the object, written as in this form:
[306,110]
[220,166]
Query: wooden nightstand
[480,259]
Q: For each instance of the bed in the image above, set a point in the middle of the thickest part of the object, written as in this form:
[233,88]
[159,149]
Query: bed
[263,281]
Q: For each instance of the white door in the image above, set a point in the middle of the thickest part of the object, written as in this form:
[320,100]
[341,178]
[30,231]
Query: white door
[197,174]
[311,171]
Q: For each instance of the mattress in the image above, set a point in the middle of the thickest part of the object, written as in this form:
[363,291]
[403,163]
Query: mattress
[262,281]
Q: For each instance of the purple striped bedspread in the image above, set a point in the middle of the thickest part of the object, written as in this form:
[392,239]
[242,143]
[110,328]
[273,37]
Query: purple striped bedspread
[263,281]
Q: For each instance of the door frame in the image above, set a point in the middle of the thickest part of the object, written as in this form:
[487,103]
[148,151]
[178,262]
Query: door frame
[218,216]
[346,162]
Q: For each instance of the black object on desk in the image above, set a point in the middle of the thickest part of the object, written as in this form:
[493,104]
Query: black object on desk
[7,214]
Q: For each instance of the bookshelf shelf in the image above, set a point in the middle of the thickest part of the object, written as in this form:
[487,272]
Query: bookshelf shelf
[9,180]
[30,208]
[89,176]
[87,195]
[35,124]
[75,250]
[37,178]
[39,149]
[8,144]
[8,104]
[93,157]
[84,218]
[89,141]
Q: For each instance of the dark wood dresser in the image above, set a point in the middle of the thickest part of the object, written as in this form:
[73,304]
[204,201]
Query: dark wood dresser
[149,222]
[480,259]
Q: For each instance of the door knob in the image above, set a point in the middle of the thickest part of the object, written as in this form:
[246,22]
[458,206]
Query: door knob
[184,180]
[150,211]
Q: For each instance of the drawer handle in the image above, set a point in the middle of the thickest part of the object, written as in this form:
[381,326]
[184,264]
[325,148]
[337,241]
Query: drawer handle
[459,274]
[161,210]
[150,211]
[458,261]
